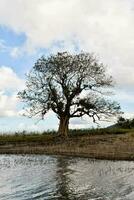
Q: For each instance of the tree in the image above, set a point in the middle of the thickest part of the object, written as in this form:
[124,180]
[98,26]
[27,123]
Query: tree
[71,86]
[122,122]
[125,123]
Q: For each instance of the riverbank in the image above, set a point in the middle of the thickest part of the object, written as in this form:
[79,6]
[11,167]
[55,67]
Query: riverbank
[113,146]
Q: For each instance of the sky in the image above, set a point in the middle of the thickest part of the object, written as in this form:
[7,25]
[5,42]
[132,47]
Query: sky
[32,28]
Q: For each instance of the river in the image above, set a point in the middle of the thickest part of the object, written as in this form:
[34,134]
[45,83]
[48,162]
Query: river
[41,177]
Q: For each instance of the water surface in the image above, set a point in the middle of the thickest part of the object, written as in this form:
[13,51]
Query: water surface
[41,177]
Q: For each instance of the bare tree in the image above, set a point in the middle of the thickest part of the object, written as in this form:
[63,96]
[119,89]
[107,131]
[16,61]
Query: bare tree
[71,86]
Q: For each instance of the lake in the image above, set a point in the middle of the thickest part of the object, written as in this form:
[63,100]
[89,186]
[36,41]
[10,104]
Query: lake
[41,177]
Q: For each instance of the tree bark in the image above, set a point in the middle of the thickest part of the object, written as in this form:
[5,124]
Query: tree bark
[63,126]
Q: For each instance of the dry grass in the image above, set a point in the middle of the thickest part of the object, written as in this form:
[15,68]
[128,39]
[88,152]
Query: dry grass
[97,143]
[102,144]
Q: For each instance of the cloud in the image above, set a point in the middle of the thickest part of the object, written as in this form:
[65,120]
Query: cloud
[129,115]
[15,52]
[86,122]
[9,79]
[12,51]
[10,83]
[126,96]
[3,47]
[8,105]
[105,27]
[23,126]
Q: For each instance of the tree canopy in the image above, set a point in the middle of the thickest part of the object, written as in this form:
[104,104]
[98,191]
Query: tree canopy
[71,85]
[125,123]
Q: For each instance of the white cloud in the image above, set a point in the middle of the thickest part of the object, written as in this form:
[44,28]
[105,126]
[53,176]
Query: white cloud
[10,83]
[15,52]
[23,126]
[9,79]
[3,46]
[8,105]
[12,51]
[126,96]
[129,115]
[87,122]
[105,27]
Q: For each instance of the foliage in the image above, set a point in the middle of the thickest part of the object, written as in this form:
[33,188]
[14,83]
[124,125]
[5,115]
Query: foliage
[71,86]
[125,123]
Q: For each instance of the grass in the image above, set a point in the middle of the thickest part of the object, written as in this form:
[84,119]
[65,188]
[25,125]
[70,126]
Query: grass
[95,143]
[47,136]
[98,131]
[51,136]
[24,138]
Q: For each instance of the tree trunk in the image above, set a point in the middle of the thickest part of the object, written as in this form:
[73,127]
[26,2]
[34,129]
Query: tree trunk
[63,126]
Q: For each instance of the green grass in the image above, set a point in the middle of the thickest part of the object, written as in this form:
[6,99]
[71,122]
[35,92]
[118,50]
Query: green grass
[22,138]
[99,131]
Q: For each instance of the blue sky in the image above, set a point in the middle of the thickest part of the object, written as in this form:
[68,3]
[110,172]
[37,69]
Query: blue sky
[30,29]
[20,66]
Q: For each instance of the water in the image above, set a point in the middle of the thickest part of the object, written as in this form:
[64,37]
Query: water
[42,177]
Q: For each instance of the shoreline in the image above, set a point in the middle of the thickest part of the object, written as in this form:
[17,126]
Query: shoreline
[109,157]
[105,147]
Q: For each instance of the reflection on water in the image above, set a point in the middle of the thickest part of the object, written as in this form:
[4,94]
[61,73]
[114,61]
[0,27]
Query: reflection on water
[53,177]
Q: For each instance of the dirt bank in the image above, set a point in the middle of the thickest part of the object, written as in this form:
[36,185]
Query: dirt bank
[107,146]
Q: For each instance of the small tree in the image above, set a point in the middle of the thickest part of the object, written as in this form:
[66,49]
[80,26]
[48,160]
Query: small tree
[122,122]
[71,86]
[125,123]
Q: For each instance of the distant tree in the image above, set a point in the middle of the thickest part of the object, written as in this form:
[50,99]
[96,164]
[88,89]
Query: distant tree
[121,121]
[132,123]
[71,86]
[125,123]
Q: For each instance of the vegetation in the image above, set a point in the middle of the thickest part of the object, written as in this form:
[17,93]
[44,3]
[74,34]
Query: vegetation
[34,137]
[93,143]
[71,86]
[125,123]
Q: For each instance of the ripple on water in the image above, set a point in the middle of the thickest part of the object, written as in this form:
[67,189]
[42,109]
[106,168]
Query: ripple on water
[42,177]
